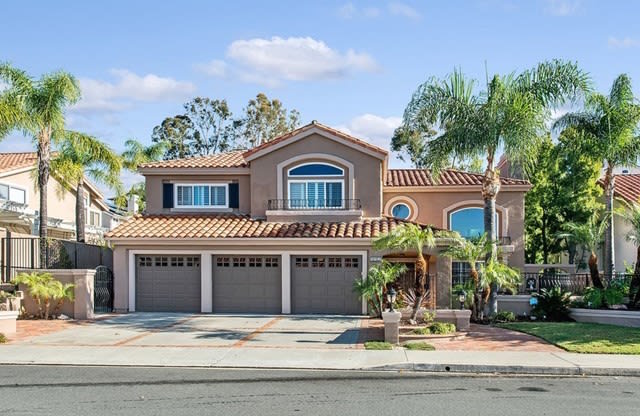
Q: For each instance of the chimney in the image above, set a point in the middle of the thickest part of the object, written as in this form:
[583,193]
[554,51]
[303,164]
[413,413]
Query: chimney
[132,204]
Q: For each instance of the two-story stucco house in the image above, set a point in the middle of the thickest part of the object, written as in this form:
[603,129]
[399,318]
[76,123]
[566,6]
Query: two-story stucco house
[20,202]
[287,227]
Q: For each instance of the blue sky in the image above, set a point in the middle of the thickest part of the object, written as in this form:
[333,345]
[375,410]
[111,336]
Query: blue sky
[351,65]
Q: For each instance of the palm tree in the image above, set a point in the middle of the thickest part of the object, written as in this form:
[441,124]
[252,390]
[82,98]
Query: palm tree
[11,113]
[411,237]
[510,115]
[81,155]
[378,277]
[630,212]
[44,103]
[589,235]
[611,126]
[471,251]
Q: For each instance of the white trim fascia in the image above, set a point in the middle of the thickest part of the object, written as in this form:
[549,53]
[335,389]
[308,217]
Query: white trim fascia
[191,171]
[205,207]
[319,212]
[280,168]
[16,171]
[453,188]
[321,132]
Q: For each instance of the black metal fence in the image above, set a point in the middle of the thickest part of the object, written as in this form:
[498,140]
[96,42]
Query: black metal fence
[24,253]
[576,283]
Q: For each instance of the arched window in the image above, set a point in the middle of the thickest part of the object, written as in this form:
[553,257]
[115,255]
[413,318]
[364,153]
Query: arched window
[315,185]
[401,211]
[469,222]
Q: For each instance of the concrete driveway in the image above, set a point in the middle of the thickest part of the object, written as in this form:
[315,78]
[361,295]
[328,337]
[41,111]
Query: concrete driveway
[187,330]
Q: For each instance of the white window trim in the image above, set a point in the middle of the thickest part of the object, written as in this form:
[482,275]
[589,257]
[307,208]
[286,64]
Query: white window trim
[226,195]
[314,176]
[402,199]
[311,179]
[21,188]
[321,156]
[88,220]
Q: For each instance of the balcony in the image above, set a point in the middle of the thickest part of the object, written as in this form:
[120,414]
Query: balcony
[314,205]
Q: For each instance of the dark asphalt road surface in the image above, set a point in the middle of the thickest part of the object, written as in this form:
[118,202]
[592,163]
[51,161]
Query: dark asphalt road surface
[97,391]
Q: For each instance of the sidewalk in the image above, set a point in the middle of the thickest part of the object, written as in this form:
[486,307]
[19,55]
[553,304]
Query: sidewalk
[476,362]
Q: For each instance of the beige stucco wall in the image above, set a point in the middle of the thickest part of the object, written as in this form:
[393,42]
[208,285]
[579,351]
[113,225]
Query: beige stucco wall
[367,174]
[625,251]
[434,206]
[153,186]
[60,206]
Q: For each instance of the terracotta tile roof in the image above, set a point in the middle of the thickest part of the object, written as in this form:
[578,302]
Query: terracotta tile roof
[237,226]
[11,161]
[321,127]
[627,186]
[233,159]
[448,177]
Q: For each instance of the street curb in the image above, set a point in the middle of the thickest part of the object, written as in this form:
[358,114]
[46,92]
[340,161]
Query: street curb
[509,369]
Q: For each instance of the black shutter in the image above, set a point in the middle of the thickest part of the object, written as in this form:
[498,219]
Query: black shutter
[167,195]
[234,196]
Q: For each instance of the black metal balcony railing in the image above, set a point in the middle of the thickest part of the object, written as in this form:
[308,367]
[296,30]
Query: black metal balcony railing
[314,204]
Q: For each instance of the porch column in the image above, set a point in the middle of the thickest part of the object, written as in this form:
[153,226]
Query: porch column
[286,282]
[443,282]
[206,283]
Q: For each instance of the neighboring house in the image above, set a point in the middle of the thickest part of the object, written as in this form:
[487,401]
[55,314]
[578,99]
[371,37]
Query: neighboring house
[20,202]
[287,227]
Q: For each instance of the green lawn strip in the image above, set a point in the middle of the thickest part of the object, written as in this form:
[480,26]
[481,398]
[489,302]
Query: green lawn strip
[583,337]
[377,345]
[421,346]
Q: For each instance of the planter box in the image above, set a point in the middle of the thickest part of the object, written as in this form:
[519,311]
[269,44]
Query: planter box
[459,317]
[518,304]
[607,316]
[8,322]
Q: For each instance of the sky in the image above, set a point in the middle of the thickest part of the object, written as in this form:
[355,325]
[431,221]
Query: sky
[352,65]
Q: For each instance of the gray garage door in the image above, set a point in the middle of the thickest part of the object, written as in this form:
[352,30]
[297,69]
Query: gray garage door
[247,284]
[168,283]
[324,284]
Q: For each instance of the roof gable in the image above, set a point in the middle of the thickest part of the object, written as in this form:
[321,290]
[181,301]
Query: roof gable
[315,128]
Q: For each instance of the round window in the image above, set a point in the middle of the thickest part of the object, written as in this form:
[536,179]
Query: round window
[401,211]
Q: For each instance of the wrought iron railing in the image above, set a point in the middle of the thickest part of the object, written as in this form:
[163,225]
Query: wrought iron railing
[314,204]
[576,283]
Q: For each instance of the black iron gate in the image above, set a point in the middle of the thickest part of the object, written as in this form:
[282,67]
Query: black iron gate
[103,290]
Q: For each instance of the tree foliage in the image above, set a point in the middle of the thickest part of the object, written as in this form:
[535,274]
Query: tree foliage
[266,119]
[373,287]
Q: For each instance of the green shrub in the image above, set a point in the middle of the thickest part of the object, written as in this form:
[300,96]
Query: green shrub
[377,345]
[3,339]
[503,316]
[422,331]
[428,317]
[553,305]
[419,346]
[593,298]
[442,328]
[613,295]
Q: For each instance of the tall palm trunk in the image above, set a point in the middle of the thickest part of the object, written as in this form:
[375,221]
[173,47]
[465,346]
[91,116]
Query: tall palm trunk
[490,189]
[44,158]
[80,209]
[477,313]
[421,280]
[609,253]
[594,272]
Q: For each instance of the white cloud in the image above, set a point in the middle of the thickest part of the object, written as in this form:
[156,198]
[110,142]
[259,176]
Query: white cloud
[273,61]
[563,7]
[404,10]
[376,130]
[215,68]
[347,11]
[128,87]
[625,42]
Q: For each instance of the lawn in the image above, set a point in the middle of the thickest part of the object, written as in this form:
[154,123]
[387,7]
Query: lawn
[583,337]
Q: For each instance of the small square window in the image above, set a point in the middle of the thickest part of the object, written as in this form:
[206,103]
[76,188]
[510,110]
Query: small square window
[351,262]
[255,262]
[271,262]
[177,261]
[192,261]
[302,262]
[335,262]
[161,261]
[145,261]
[239,262]
[222,261]
[317,262]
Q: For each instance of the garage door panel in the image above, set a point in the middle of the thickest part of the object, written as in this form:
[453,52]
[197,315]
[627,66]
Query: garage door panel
[325,284]
[168,283]
[245,284]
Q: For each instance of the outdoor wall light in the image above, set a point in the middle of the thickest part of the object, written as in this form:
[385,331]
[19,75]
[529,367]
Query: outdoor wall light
[391,298]
[462,297]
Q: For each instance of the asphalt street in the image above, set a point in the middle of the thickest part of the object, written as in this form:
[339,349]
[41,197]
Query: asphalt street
[59,390]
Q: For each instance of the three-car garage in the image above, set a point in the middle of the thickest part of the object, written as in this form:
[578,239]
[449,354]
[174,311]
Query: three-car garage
[247,283]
